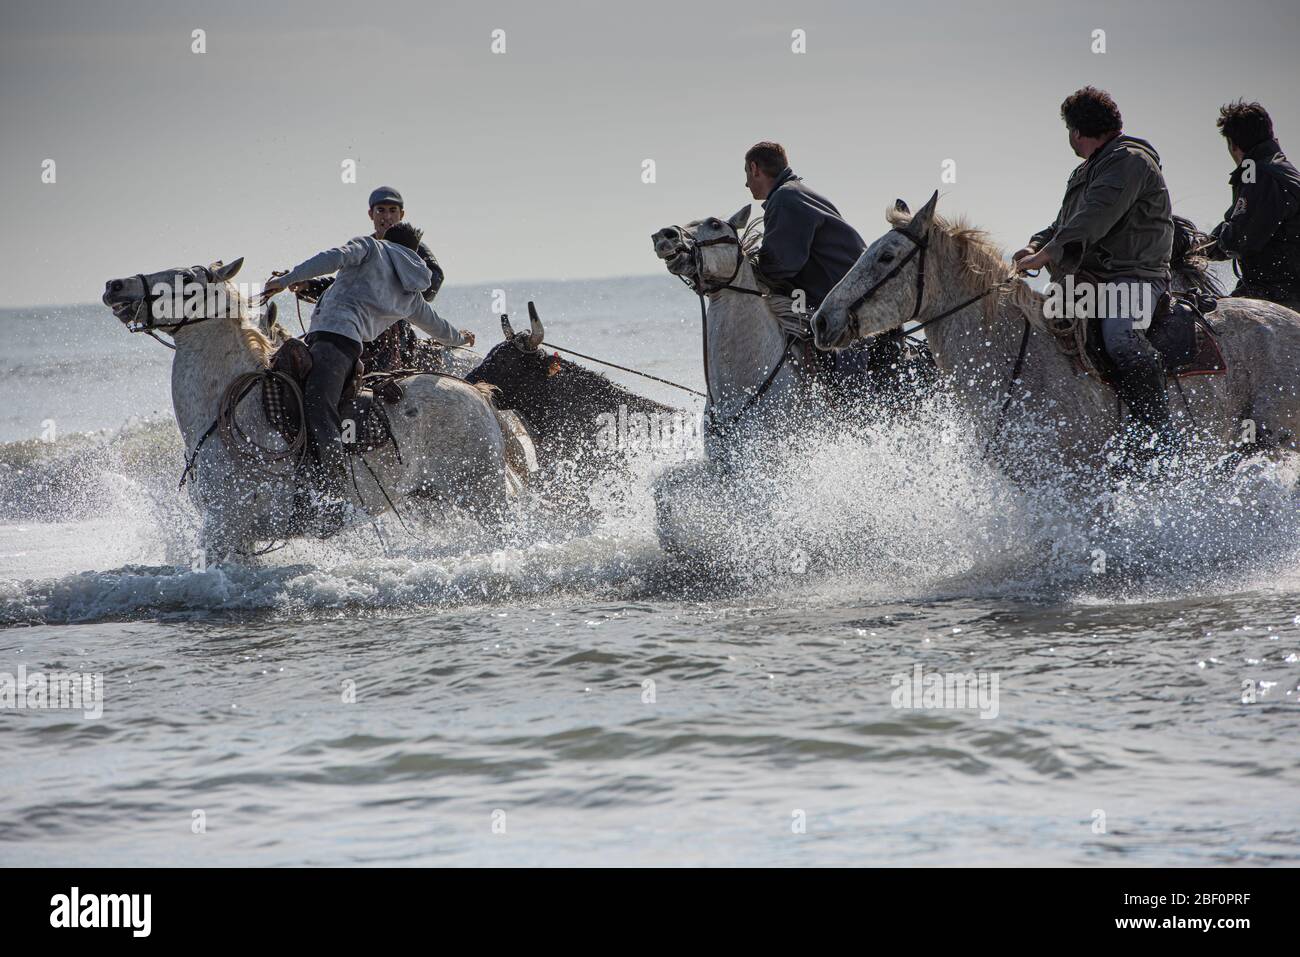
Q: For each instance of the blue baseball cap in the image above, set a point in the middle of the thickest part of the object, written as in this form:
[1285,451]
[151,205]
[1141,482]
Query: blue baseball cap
[386,194]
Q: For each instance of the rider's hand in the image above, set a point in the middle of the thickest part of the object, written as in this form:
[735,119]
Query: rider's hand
[272,286]
[1022,253]
[1032,261]
[468,336]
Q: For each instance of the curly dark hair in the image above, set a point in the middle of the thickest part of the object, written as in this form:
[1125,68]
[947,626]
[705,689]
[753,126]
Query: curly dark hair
[1245,125]
[404,234]
[769,156]
[1092,112]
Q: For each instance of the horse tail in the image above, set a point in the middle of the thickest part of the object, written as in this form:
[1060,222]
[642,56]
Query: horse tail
[1188,262]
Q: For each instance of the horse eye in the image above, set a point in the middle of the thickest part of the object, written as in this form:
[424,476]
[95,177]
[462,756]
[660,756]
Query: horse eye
[715,223]
[886,257]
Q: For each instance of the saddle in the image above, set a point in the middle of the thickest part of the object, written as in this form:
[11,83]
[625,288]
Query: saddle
[1180,333]
[293,359]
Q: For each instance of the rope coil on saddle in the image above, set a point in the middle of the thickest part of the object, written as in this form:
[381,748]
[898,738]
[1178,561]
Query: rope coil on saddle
[238,443]
[241,445]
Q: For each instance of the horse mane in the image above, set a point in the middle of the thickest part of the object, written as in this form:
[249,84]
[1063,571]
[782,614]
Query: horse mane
[983,258]
[1188,262]
[975,249]
[979,256]
[254,340]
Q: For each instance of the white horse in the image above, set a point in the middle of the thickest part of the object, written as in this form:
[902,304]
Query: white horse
[756,382]
[750,366]
[451,444]
[1072,416]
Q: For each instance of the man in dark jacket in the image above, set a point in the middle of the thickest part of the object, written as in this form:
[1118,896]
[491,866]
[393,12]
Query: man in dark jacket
[1262,229]
[807,247]
[1114,235]
[806,243]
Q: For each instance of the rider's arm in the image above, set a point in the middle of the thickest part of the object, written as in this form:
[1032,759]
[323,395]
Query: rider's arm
[437,327]
[351,253]
[1043,236]
[1260,208]
[1107,198]
[788,229]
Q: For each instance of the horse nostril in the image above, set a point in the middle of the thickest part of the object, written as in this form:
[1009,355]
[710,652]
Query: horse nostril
[115,285]
[667,233]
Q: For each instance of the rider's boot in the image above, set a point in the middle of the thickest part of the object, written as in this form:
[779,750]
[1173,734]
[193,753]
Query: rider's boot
[1151,441]
[333,506]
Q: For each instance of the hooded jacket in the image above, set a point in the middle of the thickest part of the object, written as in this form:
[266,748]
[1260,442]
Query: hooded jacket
[378,283]
[1262,229]
[1116,218]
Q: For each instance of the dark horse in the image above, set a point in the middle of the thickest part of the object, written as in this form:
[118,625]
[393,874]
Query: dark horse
[566,406]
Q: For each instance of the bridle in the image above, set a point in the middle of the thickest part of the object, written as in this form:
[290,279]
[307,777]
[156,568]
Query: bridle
[698,286]
[695,251]
[144,310]
[920,246]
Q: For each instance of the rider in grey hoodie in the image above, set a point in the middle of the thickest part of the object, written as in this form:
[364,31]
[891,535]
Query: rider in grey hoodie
[379,282]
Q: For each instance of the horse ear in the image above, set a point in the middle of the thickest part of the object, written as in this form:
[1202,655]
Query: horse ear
[221,272]
[924,216]
[901,207]
[740,218]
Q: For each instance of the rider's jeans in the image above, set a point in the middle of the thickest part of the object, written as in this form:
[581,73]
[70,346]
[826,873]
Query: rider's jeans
[1127,347]
[333,358]
[1140,376]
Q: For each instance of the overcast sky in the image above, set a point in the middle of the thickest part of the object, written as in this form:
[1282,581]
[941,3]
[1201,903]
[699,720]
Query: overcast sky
[528,164]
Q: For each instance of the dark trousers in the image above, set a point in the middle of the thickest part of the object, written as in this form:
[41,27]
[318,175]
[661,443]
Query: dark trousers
[1139,370]
[333,358]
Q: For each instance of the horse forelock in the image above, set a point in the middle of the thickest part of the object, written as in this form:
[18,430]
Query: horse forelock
[751,237]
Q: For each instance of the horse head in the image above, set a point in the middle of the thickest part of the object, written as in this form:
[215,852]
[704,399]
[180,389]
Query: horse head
[881,291]
[707,253]
[171,298]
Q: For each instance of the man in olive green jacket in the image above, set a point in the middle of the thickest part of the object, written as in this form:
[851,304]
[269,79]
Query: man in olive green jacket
[1115,232]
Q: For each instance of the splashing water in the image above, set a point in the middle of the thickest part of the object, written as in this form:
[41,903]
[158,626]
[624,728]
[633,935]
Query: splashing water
[906,508]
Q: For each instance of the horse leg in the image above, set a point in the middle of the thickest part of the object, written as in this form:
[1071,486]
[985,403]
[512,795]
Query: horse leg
[222,541]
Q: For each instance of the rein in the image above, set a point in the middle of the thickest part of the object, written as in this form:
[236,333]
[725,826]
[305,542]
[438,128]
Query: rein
[920,246]
[615,365]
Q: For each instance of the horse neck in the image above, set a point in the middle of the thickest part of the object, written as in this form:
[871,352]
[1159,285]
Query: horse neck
[977,350]
[959,340]
[745,341]
[209,355]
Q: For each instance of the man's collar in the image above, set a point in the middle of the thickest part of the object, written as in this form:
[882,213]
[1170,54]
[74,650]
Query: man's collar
[1265,150]
[1105,147]
[1259,153]
[785,176]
